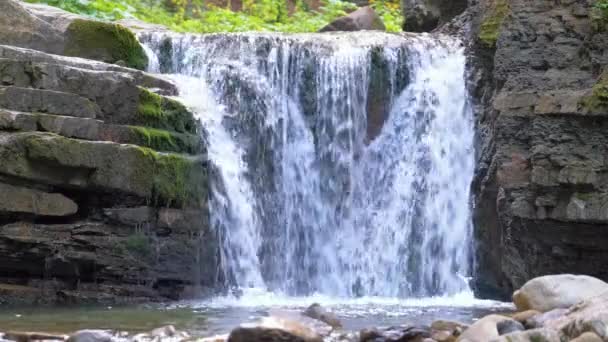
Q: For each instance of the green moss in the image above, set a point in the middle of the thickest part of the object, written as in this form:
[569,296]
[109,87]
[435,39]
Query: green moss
[599,16]
[155,138]
[177,181]
[139,244]
[165,141]
[584,196]
[490,27]
[106,42]
[164,113]
[598,101]
[178,116]
[150,107]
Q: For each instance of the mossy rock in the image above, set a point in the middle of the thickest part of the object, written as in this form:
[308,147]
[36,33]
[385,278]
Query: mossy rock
[178,181]
[493,20]
[106,42]
[164,113]
[164,179]
[599,18]
[165,141]
[597,102]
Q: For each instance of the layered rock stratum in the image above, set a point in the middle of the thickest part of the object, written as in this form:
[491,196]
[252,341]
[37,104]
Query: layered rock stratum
[103,175]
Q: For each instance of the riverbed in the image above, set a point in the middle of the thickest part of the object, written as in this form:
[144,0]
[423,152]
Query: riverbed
[220,315]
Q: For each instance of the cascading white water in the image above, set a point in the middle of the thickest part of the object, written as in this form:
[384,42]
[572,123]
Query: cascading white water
[345,160]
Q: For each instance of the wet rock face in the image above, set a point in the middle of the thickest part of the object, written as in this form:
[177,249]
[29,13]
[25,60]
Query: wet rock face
[90,210]
[540,186]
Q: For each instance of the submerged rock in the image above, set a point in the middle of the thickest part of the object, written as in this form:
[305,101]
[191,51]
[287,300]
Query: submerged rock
[557,291]
[91,336]
[365,18]
[316,311]
[402,333]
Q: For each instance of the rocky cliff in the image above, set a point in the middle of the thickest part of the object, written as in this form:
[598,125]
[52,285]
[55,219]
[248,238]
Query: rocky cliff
[103,189]
[541,190]
[539,89]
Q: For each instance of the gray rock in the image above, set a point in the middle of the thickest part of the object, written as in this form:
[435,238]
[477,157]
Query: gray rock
[47,101]
[91,336]
[143,79]
[53,30]
[18,27]
[181,220]
[426,15]
[538,321]
[401,333]
[32,336]
[507,327]
[24,200]
[545,215]
[316,311]
[364,18]
[545,335]
[131,216]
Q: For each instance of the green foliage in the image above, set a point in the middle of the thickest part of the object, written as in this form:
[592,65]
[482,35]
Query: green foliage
[390,13]
[257,15]
[598,101]
[490,27]
[138,244]
[156,139]
[599,15]
[87,37]
[165,141]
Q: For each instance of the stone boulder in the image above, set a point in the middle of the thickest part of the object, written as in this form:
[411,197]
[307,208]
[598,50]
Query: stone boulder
[52,30]
[365,18]
[485,329]
[426,15]
[91,336]
[557,291]
[20,28]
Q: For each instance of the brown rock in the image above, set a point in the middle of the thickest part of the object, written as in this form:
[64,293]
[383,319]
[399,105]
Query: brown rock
[365,18]
[32,336]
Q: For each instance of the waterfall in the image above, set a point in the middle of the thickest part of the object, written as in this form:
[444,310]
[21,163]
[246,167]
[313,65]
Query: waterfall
[343,161]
